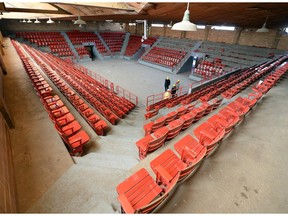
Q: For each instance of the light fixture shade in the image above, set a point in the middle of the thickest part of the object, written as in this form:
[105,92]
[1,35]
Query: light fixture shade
[29,21]
[80,21]
[185,24]
[37,21]
[24,21]
[263,29]
[50,21]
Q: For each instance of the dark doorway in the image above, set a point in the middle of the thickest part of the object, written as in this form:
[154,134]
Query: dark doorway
[90,51]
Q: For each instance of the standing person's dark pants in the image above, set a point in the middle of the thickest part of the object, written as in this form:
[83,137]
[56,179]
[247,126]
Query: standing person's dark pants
[167,84]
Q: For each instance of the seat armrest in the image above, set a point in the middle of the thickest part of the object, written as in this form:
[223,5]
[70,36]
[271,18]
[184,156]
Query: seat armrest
[126,205]
[163,173]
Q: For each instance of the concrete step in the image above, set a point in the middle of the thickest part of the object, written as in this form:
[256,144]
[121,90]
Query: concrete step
[82,189]
[114,161]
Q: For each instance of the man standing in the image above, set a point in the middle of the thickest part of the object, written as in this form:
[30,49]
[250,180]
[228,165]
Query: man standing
[167,83]
[177,85]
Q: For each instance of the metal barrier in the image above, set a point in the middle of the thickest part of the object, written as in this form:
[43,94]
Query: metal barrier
[109,85]
[183,90]
[127,95]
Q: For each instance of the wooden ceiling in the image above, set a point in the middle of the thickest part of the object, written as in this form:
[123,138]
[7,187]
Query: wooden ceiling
[249,15]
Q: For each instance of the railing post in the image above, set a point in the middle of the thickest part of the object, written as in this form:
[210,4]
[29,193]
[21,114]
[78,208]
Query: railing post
[112,86]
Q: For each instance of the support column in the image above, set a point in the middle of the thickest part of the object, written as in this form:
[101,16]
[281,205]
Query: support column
[207,30]
[276,39]
[165,29]
[237,35]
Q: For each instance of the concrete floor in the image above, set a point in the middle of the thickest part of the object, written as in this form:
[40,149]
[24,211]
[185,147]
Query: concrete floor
[245,175]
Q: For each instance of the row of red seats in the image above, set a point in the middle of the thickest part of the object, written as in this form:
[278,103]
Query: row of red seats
[208,74]
[60,49]
[165,54]
[68,128]
[159,61]
[272,79]
[170,51]
[206,64]
[166,58]
[94,120]
[93,91]
[175,121]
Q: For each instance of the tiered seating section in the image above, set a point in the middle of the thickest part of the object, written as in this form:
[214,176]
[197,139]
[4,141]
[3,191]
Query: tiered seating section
[103,100]
[209,70]
[68,128]
[77,38]
[164,56]
[54,40]
[114,40]
[140,193]
[94,120]
[135,44]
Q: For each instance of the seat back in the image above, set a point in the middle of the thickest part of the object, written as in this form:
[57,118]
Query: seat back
[205,134]
[170,117]
[217,103]
[174,128]
[159,123]
[229,115]
[160,137]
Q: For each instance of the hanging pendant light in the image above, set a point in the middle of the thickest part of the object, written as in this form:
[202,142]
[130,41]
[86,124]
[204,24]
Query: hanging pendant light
[29,21]
[50,21]
[263,29]
[185,24]
[37,21]
[79,21]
